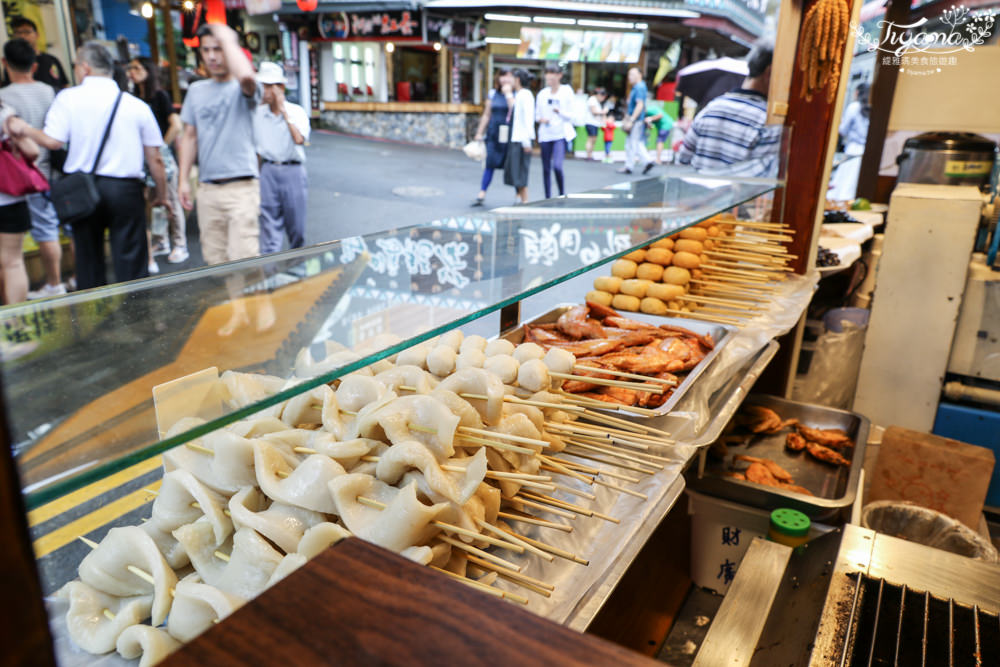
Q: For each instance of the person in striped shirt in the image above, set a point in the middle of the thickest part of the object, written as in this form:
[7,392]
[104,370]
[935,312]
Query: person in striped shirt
[731,132]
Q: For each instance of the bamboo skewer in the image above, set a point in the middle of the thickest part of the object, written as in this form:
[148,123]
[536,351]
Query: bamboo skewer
[603,405]
[635,386]
[516,540]
[527,502]
[551,549]
[732,305]
[572,507]
[747,273]
[553,465]
[752,223]
[777,272]
[574,465]
[622,489]
[699,316]
[532,584]
[627,425]
[503,436]
[458,544]
[486,588]
[624,466]
[617,373]
[499,445]
[535,521]
[575,492]
[610,451]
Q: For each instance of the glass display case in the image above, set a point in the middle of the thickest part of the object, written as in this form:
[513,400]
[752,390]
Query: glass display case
[102,381]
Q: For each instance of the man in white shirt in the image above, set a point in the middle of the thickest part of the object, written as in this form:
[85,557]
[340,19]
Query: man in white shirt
[281,129]
[78,117]
[554,113]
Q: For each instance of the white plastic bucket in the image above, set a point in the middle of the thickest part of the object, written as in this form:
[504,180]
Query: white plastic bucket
[721,532]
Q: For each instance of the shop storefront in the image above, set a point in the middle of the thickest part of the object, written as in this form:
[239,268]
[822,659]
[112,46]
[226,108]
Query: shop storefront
[397,72]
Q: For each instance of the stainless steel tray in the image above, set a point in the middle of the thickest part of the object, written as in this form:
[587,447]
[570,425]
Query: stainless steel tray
[719,333]
[835,486]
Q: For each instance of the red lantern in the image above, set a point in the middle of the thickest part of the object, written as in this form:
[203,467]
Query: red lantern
[307,5]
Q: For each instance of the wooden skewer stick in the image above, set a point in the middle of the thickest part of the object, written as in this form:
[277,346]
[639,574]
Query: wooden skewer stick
[516,540]
[760,258]
[720,290]
[458,544]
[770,236]
[90,543]
[503,436]
[551,549]
[535,521]
[532,584]
[108,614]
[617,464]
[496,592]
[527,502]
[700,316]
[718,310]
[778,272]
[555,502]
[748,278]
[627,425]
[635,386]
[499,445]
[554,466]
[621,441]
[729,303]
[616,373]
[751,289]
[748,272]
[198,448]
[537,404]
[575,465]
[622,489]
[611,451]
[607,432]
[574,492]
[604,405]
[753,223]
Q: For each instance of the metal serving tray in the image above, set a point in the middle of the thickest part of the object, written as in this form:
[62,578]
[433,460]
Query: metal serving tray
[720,335]
[835,487]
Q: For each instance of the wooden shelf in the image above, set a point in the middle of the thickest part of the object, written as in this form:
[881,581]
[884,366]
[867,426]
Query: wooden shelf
[357,604]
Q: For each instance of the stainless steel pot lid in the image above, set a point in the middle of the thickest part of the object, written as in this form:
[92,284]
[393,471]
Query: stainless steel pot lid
[951,141]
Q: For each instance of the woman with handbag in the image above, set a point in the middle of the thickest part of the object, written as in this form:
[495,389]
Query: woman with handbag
[494,128]
[15,218]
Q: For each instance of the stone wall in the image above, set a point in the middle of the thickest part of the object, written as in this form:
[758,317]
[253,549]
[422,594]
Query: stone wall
[449,130]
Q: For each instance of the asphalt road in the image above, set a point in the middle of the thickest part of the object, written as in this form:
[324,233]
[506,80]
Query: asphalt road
[362,186]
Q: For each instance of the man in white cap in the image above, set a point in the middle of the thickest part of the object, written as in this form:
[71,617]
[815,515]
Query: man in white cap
[281,129]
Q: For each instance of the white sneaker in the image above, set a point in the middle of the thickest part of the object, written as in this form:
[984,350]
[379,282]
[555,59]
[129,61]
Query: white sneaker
[161,248]
[178,255]
[47,290]
[154,268]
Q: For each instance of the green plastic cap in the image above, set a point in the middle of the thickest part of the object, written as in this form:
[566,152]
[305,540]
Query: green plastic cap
[790,522]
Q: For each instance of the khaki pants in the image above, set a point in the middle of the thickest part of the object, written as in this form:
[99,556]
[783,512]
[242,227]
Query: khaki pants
[229,220]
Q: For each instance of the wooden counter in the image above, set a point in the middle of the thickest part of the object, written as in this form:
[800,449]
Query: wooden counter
[357,604]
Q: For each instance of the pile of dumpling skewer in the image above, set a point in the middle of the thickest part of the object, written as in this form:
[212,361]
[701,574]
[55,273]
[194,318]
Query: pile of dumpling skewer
[438,457]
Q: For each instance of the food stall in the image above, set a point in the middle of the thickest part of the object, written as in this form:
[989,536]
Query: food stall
[397,441]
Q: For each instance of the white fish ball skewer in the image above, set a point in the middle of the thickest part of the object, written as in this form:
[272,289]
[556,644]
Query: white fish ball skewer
[499,346]
[533,375]
[503,366]
[528,351]
[473,342]
[471,358]
[441,360]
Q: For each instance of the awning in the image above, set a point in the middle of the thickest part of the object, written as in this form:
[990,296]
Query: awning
[289,6]
[639,8]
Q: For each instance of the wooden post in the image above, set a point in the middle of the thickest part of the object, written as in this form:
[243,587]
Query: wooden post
[154,47]
[883,89]
[168,38]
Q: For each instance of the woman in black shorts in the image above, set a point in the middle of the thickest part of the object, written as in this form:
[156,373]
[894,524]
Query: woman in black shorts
[522,134]
[15,219]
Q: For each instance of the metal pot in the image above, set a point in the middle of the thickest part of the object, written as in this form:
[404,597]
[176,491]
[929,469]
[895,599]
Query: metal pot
[947,158]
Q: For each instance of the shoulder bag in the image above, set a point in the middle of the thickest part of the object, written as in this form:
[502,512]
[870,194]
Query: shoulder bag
[17,177]
[75,195]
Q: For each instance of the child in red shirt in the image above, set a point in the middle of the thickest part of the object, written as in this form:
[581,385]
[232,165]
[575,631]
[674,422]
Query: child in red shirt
[609,137]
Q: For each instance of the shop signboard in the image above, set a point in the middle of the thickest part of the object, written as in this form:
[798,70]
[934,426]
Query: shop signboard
[580,45]
[370,26]
[454,33]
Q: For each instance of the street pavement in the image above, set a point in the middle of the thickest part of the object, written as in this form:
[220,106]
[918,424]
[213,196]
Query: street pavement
[361,186]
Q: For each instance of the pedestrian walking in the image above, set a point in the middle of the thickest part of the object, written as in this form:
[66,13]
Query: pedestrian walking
[730,130]
[111,134]
[218,132]
[554,113]
[636,154]
[494,129]
[49,71]
[522,133]
[15,218]
[594,118]
[661,124]
[144,76]
[281,129]
[32,99]
[609,135]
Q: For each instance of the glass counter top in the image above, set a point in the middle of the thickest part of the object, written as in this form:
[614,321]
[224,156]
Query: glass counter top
[79,386]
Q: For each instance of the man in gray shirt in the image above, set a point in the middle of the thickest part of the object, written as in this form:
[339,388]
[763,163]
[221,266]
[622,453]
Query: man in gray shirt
[32,99]
[218,128]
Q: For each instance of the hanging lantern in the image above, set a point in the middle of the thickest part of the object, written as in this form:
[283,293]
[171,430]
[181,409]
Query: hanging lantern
[307,5]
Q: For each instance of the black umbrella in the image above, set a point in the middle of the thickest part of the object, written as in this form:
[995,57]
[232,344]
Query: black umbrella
[704,81]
